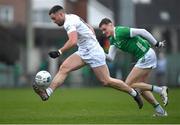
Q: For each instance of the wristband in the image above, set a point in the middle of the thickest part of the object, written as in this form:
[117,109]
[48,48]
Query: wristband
[60,52]
[157,44]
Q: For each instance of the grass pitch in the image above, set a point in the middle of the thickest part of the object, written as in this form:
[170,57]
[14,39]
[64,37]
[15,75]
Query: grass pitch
[73,106]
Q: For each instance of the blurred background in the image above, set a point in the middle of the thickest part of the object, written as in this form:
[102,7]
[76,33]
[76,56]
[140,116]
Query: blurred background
[27,35]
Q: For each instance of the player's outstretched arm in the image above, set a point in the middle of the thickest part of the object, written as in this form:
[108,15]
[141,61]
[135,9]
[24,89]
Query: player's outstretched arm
[69,44]
[144,33]
[112,53]
[72,41]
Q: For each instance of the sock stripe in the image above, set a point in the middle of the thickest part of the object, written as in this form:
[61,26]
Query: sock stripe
[156,105]
[152,88]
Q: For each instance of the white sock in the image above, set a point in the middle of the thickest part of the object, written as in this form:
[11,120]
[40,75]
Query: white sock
[133,93]
[156,89]
[49,91]
[159,109]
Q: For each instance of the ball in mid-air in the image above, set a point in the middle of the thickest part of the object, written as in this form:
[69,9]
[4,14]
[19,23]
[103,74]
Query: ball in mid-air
[43,79]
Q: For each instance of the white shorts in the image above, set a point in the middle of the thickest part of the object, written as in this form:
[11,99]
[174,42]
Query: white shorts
[149,60]
[92,54]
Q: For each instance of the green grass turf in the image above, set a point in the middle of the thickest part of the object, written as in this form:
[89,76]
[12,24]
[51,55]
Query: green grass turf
[95,105]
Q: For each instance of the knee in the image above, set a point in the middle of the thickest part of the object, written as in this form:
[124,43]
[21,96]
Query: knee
[105,82]
[64,69]
[130,84]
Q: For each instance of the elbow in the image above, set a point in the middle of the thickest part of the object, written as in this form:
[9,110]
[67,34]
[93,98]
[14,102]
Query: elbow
[112,59]
[144,30]
[73,38]
[73,42]
[109,58]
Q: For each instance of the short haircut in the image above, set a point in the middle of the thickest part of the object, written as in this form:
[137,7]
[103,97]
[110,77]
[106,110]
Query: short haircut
[104,21]
[55,9]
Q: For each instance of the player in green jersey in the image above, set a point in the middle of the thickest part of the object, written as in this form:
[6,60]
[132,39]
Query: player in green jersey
[136,42]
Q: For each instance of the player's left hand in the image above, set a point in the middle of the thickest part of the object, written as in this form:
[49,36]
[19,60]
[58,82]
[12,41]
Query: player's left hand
[54,54]
[161,44]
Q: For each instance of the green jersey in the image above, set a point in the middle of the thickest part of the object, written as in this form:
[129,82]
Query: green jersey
[136,46]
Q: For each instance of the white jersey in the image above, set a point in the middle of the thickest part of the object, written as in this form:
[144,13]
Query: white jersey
[75,23]
[88,47]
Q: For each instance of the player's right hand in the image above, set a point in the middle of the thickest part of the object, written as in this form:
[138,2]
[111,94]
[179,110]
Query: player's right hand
[54,54]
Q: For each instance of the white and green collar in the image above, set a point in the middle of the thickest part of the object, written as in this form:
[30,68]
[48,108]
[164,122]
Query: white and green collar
[114,33]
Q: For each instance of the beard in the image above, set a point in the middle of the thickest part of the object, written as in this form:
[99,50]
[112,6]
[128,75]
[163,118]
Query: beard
[60,23]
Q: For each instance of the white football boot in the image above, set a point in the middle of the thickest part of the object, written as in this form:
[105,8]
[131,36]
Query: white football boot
[158,114]
[164,95]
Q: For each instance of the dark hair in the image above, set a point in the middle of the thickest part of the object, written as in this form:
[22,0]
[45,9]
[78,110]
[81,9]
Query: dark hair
[104,21]
[55,9]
